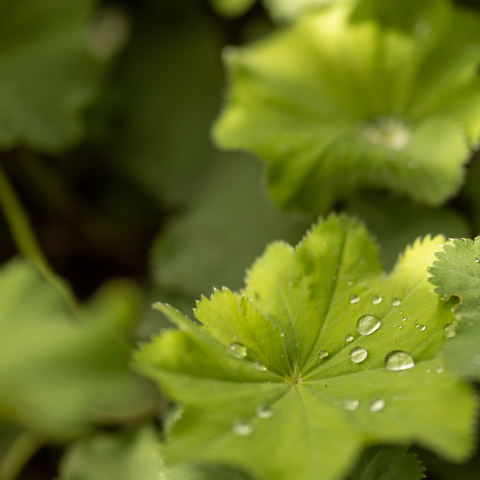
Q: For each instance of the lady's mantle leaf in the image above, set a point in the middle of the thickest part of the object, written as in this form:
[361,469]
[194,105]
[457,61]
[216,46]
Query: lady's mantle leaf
[457,272]
[267,382]
[47,75]
[387,463]
[352,96]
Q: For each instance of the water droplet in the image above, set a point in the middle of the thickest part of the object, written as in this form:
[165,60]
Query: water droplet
[422,328]
[367,287]
[395,302]
[358,354]
[349,283]
[241,428]
[368,324]
[351,404]
[477,260]
[449,330]
[354,298]
[399,360]
[237,350]
[264,412]
[348,338]
[376,299]
[440,369]
[404,318]
[377,405]
[260,366]
[428,370]
[322,354]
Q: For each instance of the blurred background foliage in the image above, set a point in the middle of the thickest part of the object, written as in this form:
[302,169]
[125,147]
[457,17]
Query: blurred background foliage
[105,114]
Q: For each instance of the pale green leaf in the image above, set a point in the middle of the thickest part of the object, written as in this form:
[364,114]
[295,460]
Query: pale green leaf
[232,8]
[457,272]
[256,355]
[58,375]
[47,73]
[387,463]
[356,96]
[282,10]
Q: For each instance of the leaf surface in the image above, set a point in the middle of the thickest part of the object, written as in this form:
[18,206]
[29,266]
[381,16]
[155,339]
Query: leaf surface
[359,95]
[47,73]
[267,382]
[457,272]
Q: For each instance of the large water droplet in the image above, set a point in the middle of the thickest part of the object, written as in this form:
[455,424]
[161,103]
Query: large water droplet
[241,428]
[399,360]
[396,302]
[358,354]
[237,350]
[449,330]
[260,366]
[354,298]
[351,404]
[348,338]
[376,299]
[368,324]
[322,354]
[264,412]
[377,405]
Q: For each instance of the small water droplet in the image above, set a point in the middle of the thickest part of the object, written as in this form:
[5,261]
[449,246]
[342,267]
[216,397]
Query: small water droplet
[377,405]
[282,334]
[449,330]
[354,298]
[350,404]
[260,366]
[322,354]
[264,412]
[349,283]
[396,302]
[399,360]
[477,260]
[348,338]
[440,369]
[404,318]
[376,299]
[241,428]
[368,324]
[237,350]
[422,328]
[358,354]
[367,287]
[428,370]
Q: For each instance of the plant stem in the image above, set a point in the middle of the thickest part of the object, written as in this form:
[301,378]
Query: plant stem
[27,243]
[20,452]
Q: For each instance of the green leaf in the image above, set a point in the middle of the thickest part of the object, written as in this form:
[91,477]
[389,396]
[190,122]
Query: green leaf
[222,233]
[358,96]
[396,222]
[282,10]
[232,8]
[57,376]
[280,349]
[47,73]
[457,272]
[387,463]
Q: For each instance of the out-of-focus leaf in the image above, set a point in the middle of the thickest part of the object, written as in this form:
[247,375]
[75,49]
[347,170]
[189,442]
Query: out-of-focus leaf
[167,83]
[457,272]
[398,222]
[47,73]
[272,381]
[282,10]
[58,375]
[387,463]
[356,96]
[224,230]
[232,8]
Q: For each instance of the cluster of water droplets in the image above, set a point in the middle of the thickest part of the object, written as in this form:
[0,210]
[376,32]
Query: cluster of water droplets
[243,428]
[351,404]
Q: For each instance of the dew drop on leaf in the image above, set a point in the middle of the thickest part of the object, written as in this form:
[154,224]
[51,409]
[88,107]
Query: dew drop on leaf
[354,298]
[377,405]
[241,428]
[395,302]
[348,338]
[422,328]
[237,350]
[449,330]
[376,299]
[358,354]
[477,260]
[260,366]
[264,412]
[322,354]
[350,404]
[368,324]
[440,369]
[399,360]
